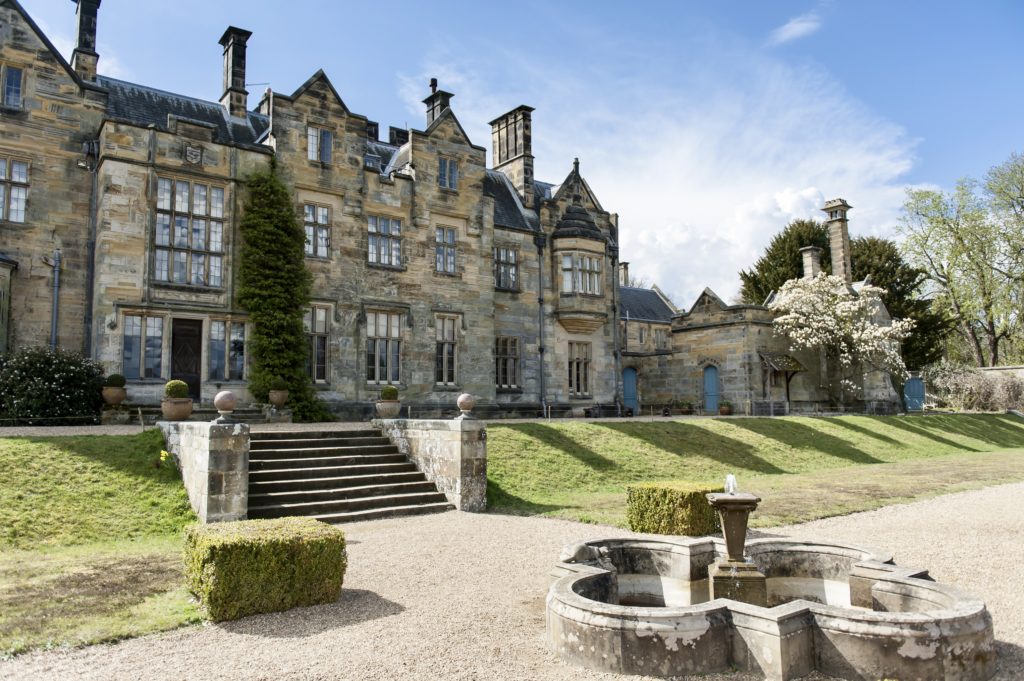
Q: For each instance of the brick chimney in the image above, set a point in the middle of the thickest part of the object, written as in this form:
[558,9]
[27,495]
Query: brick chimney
[85,57]
[839,238]
[436,102]
[235,97]
[512,137]
[812,261]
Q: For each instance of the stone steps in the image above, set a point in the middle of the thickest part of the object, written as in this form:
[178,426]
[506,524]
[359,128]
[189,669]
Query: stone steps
[335,476]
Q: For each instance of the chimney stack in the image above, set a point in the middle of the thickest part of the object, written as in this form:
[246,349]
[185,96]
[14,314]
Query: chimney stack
[839,238]
[436,102]
[235,97]
[812,261]
[84,58]
[397,136]
[623,274]
[512,137]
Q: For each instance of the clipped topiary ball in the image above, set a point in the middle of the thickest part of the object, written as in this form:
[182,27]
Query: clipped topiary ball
[176,389]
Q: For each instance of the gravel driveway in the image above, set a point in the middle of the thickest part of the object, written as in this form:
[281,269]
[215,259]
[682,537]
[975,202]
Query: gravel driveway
[461,596]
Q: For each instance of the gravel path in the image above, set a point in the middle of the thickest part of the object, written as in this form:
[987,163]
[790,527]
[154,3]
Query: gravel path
[461,596]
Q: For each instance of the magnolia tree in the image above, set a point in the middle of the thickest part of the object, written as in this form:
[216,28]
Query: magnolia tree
[825,314]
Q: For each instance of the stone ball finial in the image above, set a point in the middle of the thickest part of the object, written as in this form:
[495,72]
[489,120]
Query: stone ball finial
[225,402]
[466,402]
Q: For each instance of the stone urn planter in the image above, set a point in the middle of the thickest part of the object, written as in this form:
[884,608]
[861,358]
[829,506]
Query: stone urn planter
[114,392]
[389,406]
[277,398]
[176,405]
[725,409]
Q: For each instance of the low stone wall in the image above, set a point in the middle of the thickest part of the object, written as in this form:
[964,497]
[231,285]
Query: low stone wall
[451,453]
[214,463]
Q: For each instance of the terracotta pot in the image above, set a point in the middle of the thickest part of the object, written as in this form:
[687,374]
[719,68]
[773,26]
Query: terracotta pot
[725,411]
[277,397]
[389,409]
[176,408]
[114,396]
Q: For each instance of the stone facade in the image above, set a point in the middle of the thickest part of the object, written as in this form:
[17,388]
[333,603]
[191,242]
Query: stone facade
[474,279]
[214,463]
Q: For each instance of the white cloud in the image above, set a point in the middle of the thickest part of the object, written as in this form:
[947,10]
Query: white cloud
[797,27]
[703,165]
[109,63]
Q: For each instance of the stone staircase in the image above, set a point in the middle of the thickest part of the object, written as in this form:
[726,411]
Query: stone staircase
[335,476]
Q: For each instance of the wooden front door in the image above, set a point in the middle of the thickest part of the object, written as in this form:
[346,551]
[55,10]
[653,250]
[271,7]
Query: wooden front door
[187,352]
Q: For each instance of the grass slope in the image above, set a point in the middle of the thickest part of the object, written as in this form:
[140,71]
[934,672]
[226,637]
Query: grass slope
[90,541]
[580,469]
[60,491]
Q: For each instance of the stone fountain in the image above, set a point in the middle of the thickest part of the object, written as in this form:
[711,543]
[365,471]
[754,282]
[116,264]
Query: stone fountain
[672,606]
[734,577]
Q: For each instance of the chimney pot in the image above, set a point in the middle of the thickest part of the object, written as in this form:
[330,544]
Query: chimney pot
[235,97]
[437,101]
[85,58]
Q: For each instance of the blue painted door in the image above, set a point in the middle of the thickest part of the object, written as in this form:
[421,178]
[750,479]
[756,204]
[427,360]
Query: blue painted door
[711,391]
[913,394]
[629,399]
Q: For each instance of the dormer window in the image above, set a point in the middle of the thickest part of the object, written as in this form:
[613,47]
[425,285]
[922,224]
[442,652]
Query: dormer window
[12,87]
[371,162]
[318,144]
[447,173]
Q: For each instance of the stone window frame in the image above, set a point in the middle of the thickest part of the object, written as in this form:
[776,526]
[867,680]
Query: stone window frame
[581,273]
[319,144]
[5,306]
[446,249]
[508,362]
[448,173]
[392,341]
[9,187]
[376,239]
[150,363]
[446,349]
[506,268]
[580,356]
[6,87]
[642,334]
[661,339]
[170,218]
[316,222]
[233,367]
[316,323]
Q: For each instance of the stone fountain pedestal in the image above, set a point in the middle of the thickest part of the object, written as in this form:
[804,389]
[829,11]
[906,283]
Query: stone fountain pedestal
[734,577]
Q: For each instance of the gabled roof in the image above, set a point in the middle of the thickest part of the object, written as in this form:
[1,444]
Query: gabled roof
[49,45]
[509,211]
[643,304]
[144,106]
[448,113]
[574,182]
[311,81]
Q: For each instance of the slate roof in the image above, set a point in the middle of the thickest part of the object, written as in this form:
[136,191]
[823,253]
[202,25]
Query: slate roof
[508,208]
[142,105]
[780,361]
[643,304]
[383,149]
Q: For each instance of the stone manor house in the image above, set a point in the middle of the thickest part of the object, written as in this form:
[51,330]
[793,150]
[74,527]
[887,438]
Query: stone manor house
[119,212]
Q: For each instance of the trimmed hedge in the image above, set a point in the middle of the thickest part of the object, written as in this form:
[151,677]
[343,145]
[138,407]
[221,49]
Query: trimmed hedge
[672,508]
[252,566]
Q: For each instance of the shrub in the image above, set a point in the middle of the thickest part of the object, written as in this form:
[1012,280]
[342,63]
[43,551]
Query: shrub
[671,508]
[389,392]
[176,389]
[969,389]
[252,566]
[278,384]
[114,381]
[39,386]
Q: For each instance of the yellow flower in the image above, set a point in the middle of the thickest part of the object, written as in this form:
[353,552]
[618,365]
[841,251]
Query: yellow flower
[164,455]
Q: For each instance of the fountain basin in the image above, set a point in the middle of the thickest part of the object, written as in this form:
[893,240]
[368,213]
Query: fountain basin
[641,606]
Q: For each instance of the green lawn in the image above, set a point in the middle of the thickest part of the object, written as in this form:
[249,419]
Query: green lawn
[90,541]
[579,470]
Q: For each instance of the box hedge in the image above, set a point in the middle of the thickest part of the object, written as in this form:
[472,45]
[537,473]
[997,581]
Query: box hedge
[252,566]
[672,508]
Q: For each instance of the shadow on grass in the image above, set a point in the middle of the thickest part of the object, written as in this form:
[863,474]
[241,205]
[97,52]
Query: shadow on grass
[500,501]
[553,437]
[931,434]
[1002,430]
[800,436]
[135,455]
[684,439]
[354,606]
[861,430]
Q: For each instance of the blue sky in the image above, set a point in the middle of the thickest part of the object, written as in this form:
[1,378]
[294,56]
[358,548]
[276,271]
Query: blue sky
[706,125]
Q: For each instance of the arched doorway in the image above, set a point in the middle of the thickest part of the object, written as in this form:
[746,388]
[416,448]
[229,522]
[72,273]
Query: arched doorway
[629,394]
[711,390]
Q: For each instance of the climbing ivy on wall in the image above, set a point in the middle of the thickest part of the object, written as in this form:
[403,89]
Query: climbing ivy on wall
[274,287]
